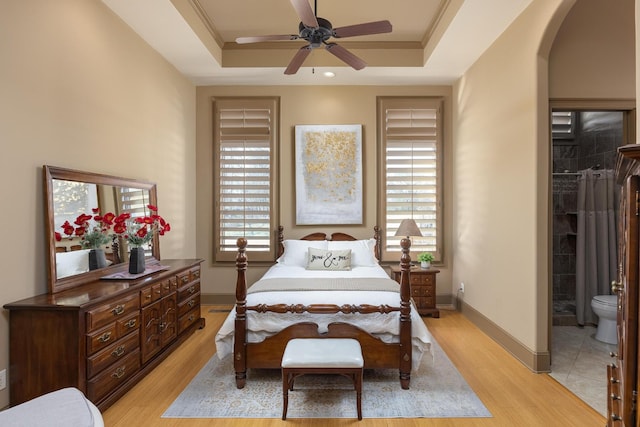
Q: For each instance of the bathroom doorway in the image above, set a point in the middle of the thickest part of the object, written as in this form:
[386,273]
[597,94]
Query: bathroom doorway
[581,140]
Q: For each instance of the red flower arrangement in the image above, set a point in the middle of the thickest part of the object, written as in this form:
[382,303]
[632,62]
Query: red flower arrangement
[139,231]
[92,236]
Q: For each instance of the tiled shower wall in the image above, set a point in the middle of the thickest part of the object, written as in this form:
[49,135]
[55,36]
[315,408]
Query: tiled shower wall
[597,137]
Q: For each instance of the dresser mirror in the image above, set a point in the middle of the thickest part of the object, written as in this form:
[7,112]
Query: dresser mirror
[69,193]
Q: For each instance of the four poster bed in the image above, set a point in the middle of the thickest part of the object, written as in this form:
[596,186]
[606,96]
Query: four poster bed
[312,292]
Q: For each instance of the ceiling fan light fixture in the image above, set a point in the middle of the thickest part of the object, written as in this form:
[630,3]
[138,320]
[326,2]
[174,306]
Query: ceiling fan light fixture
[317,31]
[329,74]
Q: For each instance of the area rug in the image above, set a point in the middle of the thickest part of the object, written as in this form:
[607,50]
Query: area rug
[437,391]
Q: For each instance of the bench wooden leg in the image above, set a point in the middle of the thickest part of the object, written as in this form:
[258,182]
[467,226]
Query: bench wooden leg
[285,393]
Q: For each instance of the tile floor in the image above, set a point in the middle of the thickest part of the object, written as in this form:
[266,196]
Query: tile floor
[579,362]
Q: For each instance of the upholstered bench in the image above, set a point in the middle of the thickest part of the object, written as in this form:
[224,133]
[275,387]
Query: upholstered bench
[61,408]
[322,356]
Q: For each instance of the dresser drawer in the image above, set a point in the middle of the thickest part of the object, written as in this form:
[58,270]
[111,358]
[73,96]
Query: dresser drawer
[107,313]
[424,302]
[195,273]
[112,354]
[183,278]
[422,291]
[188,304]
[109,379]
[421,279]
[150,294]
[188,291]
[169,285]
[185,321]
[101,338]
[128,325]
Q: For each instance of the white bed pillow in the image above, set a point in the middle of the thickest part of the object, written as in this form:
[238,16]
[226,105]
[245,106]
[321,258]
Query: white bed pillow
[362,251]
[321,259]
[72,263]
[296,251]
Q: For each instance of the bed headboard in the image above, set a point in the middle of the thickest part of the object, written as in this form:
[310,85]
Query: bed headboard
[337,236]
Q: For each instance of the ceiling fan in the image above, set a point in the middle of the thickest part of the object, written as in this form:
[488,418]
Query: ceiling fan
[317,31]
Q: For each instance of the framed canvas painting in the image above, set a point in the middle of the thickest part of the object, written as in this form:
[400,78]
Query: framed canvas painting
[328,174]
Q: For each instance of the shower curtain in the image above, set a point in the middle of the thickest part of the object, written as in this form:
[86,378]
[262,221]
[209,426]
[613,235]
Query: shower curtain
[596,247]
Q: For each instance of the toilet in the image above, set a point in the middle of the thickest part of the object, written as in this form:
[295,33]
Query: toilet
[606,308]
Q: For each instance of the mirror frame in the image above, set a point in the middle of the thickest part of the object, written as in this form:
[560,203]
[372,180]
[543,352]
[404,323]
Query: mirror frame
[52,172]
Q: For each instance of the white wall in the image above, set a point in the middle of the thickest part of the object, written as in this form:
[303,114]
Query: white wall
[80,90]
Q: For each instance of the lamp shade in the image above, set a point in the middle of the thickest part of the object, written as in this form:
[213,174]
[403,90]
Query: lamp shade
[408,227]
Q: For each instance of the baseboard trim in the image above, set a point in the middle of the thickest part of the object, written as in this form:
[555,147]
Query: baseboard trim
[537,362]
[217,299]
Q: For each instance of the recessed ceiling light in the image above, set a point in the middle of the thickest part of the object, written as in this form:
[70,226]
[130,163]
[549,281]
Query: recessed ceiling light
[329,74]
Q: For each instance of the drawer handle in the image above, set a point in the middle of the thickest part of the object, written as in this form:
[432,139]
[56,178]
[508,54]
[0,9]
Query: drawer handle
[196,274]
[131,323]
[105,337]
[613,354]
[191,303]
[162,326]
[614,397]
[148,296]
[158,291]
[613,380]
[166,286]
[118,373]
[192,289]
[118,310]
[184,279]
[118,351]
[191,318]
[615,417]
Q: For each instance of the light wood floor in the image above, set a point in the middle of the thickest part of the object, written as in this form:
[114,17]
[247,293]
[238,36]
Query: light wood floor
[514,395]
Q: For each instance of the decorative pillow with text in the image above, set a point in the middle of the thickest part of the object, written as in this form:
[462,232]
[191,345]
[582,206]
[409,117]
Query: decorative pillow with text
[320,259]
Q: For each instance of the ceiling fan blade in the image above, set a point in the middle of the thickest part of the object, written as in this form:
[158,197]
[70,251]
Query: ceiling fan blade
[346,56]
[376,27]
[298,59]
[305,12]
[256,39]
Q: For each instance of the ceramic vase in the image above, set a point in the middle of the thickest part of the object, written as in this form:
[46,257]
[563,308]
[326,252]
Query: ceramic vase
[97,259]
[136,261]
[425,265]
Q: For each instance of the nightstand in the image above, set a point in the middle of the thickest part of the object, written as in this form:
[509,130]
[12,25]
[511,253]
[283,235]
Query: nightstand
[423,288]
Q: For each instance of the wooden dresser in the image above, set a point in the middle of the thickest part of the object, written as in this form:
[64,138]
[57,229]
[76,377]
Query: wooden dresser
[101,337]
[423,288]
[622,373]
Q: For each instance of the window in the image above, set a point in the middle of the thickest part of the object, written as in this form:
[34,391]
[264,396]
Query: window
[245,140]
[410,157]
[563,124]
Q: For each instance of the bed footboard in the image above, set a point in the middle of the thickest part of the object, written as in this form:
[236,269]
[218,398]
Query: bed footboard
[268,354]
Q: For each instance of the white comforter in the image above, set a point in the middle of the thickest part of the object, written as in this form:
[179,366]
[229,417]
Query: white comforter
[384,326]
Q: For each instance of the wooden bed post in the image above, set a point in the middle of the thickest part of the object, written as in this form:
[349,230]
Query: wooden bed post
[405,314]
[239,343]
[378,239]
[280,241]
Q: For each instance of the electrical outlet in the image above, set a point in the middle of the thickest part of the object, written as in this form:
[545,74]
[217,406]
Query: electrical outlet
[3,379]
[461,287]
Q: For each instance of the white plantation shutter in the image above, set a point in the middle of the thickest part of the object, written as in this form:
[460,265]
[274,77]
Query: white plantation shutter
[562,124]
[411,155]
[245,138]
[133,200]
